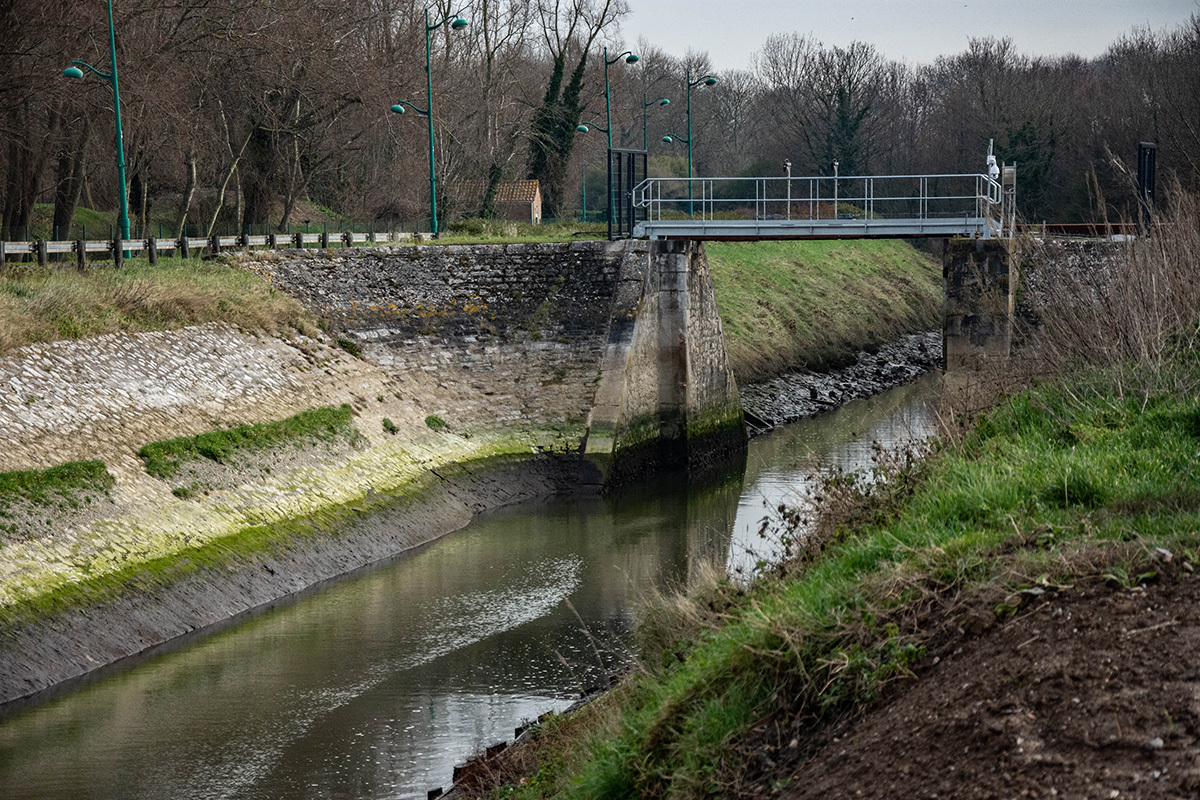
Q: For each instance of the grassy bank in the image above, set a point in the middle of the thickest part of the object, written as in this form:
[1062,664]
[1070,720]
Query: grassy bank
[810,304]
[498,231]
[45,305]
[1064,482]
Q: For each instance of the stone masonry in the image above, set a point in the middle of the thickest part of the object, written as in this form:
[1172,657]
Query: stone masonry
[615,335]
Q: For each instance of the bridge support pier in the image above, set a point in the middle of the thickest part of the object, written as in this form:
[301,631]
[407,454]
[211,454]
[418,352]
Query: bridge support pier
[978,302]
[666,397]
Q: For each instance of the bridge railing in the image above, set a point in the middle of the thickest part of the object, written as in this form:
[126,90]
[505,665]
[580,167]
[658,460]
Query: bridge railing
[862,197]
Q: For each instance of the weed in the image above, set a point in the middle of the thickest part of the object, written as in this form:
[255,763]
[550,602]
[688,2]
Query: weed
[349,346]
[389,426]
[435,422]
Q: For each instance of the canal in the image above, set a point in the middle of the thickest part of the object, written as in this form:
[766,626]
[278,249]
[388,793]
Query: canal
[377,686]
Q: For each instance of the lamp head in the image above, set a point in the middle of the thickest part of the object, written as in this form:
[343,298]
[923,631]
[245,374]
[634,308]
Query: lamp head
[73,72]
[667,139]
[581,128]
[399,109]
[459,23]
[710,81]
[662,101]
[632,58]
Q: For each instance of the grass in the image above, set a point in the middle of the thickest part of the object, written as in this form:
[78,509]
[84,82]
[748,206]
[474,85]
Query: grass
[45,305]
[97,224]
[1024,500]
[811,304]
[30,498]
[41,485]
[481,231]
[163,459]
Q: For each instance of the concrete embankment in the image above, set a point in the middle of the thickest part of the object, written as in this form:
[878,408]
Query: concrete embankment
[488,375]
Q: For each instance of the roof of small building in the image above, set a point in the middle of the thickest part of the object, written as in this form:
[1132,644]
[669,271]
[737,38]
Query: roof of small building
[517,191]
[511,192]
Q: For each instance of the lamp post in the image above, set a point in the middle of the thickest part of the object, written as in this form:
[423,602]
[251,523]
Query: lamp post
[662,101]
[584,127]
[74,71]
[706,80]
[630,58]
[456,23]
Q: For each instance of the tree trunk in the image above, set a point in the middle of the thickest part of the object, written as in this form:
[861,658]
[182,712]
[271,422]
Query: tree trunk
[488,209]
[27,163]
[189,191]
[69,181]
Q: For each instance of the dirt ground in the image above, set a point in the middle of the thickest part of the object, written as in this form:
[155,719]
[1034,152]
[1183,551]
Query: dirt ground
[1091,692]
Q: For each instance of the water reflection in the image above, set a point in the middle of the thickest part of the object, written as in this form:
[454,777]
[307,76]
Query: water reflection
[781,463]
[377,687]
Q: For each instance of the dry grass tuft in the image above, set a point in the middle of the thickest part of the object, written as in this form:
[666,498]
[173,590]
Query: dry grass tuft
[1133,309]
[45,305]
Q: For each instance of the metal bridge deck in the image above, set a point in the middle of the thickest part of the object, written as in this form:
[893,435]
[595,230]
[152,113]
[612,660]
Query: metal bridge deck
[751,229]
[823,207]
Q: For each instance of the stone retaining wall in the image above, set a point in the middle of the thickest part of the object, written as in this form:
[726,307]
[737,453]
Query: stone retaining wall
[624,336]
[532,354]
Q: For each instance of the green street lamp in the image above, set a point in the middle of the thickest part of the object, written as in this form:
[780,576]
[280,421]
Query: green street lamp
[630,58]
[703,80]
[662,101]
[457,23]
[74,71]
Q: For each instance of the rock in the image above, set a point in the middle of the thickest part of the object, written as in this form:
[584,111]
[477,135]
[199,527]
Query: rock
[1154,744]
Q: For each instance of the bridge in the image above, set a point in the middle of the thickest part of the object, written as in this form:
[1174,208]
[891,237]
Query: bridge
[822,207]
[975,212]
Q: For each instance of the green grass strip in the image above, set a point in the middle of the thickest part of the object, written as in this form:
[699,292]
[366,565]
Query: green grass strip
[37,485]
[163,459]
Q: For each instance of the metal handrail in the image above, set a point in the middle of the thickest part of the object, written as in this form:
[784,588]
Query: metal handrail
[979,197]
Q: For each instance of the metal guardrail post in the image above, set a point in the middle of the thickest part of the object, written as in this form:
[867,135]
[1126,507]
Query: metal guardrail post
[325,239]
[118,252]
[214,245]
[185,249]
[152,250]
[81,255]
[43,253]
[273,241]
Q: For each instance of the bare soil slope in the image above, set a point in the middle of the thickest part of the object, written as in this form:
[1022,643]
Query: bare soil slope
[1093,692]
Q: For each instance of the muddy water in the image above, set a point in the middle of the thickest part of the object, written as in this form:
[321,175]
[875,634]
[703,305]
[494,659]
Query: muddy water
[377,687]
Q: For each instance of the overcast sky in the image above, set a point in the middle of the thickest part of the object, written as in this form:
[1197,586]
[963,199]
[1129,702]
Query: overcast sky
[916,31]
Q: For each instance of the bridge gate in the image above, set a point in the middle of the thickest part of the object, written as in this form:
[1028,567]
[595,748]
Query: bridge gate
[626,170]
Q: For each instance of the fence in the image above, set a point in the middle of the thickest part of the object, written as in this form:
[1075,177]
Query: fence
[815,198]
[43,251]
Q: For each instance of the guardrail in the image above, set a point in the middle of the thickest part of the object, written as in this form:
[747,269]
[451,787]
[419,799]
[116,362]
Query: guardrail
[39,251]
[822,203]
